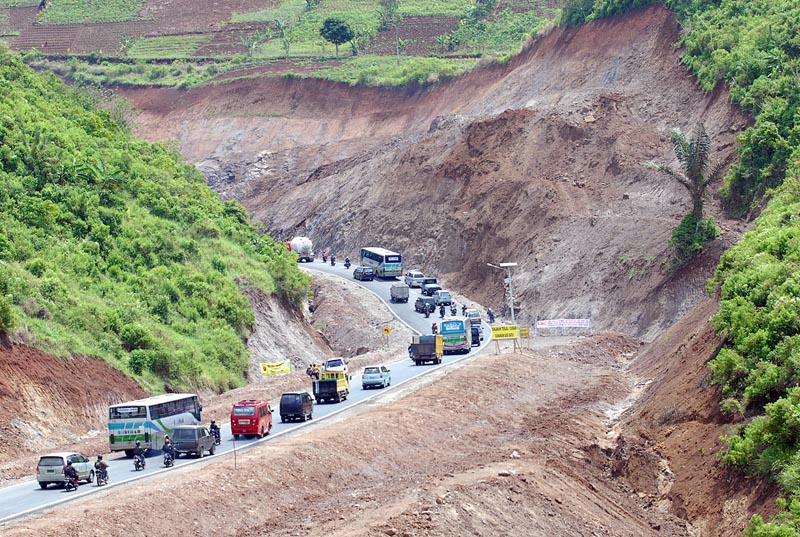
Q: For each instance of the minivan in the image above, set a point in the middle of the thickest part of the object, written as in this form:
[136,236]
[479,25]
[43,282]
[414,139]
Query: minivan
[296,405]
[51,467]
[414,278]
[193,439]
[442,298]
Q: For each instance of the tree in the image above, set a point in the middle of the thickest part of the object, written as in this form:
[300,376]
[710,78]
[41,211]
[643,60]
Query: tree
[390,18]
[336,31]
[694,156]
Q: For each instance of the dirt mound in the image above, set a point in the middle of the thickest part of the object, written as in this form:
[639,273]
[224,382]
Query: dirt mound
[540,161]
[46,402]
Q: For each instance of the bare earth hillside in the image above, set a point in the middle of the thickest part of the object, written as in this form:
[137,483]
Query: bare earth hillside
[540,161]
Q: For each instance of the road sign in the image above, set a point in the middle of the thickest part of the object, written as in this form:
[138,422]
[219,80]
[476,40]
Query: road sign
[387,330]
[525,332]
[505,332]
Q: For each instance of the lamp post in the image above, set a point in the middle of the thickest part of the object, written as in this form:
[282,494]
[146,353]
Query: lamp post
[507,267]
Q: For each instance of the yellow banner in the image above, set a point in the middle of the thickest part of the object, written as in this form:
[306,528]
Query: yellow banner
[275,368]
[505,332]
[525,332]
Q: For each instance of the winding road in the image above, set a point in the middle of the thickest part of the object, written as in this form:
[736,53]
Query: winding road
[27,497]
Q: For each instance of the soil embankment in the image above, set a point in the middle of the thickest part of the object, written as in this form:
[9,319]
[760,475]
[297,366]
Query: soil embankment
[540,161]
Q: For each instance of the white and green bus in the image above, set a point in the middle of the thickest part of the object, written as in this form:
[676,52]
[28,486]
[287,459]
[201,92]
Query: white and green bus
[149,420]
[386,264]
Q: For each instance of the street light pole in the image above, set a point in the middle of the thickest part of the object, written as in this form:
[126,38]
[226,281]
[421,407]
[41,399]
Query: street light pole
[507,267]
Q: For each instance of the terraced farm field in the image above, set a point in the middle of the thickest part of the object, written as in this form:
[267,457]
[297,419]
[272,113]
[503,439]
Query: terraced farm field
[258,36]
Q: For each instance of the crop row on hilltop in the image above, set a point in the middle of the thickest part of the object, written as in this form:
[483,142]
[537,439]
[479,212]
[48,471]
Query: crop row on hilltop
[113,247]
[754,47]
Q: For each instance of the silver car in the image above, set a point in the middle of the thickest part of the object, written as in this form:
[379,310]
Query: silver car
[51,468]
[414,278]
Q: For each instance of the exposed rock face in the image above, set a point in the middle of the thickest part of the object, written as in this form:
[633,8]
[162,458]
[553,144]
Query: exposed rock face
[540,162]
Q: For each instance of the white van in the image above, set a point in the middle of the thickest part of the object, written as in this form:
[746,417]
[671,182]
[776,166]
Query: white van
[414,278]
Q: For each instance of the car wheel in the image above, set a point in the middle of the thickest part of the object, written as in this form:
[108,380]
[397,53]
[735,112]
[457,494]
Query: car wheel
[200,454]
[43,485]
[236,437]
[213,449]
[91,476]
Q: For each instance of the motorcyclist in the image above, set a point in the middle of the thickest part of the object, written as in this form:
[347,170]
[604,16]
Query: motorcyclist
[453,309]
[490,315]
[463,310]
[441,311]
[427,310]
[101,466]
[347,262]
[138,453]
[434,328]
[324,256]
[333,260]
[169,448]
[214,430]
[71,474]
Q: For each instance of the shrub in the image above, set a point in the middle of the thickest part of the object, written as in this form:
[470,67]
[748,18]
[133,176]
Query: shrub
[134,336]
[141,360]
[690,235]
[6,315]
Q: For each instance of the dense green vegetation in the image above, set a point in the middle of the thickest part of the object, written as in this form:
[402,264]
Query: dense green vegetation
[754,47]
[112,247]
[88,11]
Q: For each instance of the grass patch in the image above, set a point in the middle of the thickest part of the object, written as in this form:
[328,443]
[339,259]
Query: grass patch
[168,47]
[413,71]
[88,11]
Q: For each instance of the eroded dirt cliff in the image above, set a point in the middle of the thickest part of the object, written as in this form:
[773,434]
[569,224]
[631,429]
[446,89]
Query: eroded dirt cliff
[540,161]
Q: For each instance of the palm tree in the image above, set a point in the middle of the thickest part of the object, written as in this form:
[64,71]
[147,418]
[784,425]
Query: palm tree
[694,156]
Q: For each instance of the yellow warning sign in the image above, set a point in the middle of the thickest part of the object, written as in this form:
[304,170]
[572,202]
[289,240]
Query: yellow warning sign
[505,332]
[275,368]
[387,330]
[525,332]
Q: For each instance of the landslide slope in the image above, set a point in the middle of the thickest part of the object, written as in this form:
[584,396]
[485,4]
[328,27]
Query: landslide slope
[540,161]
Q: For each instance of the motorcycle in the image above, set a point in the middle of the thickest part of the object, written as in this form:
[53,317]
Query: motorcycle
[333,261]
[102,477]
[138,462]
[347,263]
[453,310]
[324,258]
[70,484]
[169,461]
[217,436]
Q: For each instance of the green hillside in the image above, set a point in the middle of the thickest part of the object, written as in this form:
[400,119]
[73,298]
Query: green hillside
[754,47]
[112,247]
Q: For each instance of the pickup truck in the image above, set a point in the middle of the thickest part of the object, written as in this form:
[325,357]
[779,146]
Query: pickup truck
[427,349]
[331,386]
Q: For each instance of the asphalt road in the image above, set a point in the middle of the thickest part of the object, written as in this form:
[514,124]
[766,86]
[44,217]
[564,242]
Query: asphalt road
[27,497]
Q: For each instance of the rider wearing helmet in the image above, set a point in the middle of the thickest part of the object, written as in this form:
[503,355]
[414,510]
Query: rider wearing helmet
[71,473]
[101,466]
[214,428]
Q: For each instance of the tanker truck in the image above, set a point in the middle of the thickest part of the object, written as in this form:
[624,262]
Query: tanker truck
[302,247]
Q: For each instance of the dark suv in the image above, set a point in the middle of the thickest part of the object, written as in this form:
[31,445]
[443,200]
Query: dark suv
[419,305]
[192,439]
[364,274]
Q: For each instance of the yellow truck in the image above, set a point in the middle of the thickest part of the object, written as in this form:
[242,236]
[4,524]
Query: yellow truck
[332,386]
[427,349]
